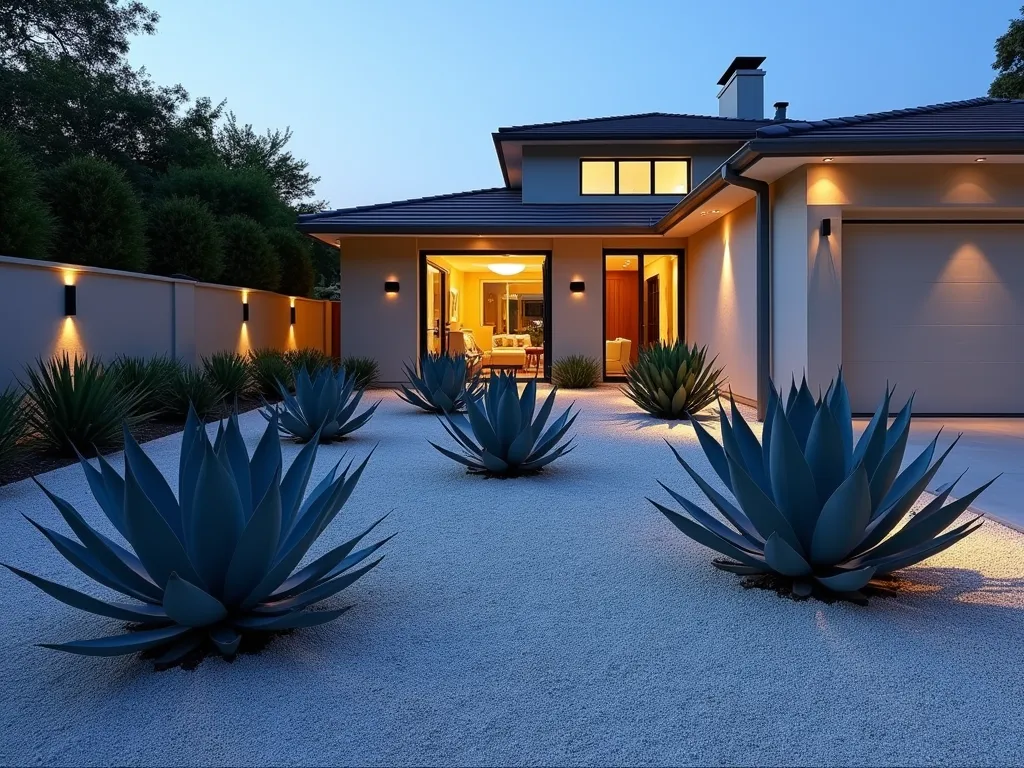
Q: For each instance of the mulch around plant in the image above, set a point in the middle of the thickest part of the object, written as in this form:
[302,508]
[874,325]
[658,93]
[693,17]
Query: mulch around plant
[30,463]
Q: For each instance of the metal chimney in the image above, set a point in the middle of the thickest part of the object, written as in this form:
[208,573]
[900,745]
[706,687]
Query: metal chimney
[780,109]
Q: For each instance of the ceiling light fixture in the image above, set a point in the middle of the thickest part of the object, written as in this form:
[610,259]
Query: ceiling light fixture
[826,159]
[506,268]
[979,160]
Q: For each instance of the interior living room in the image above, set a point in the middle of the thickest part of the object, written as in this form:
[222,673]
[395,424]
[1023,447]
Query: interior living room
[491,307]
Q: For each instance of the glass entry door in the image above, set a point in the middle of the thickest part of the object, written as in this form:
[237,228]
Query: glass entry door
[436,310]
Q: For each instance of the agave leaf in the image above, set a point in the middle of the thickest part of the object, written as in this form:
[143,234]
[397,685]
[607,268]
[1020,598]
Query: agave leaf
[472,463]
[217,523]
[824,453]
[783,558]
[839,405]
[713,451]
[226,639]
[520,448]
[552,437]
[509,419]
[909,477]
[121,645]
[257,547]
[179,649]
[458,434]
[542,461]
[843,519]
[702,535]
[238,462]
[351,425]
[113,507]
[493,463]
[923,551]
[765,516]
[528,401]
[711,523]
[293,486]
[321,591]
[847,581]
[189,475]
[296,620]
[143,613]
[486,436]
[791,478]
[156,488]
[889,465]
[190,605]
[737,568]
[748,448]
[766,427]
[544,413]
[872,443]
[801,415]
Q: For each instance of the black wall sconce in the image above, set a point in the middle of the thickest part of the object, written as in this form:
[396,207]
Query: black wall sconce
[292,314]
[826,227]
[245,311]
[577,286]
[70,300]
[391,286]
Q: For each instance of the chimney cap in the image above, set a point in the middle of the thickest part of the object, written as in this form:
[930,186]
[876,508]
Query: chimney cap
[741,62]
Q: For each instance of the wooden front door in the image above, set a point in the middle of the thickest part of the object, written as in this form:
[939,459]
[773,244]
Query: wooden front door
[622,310]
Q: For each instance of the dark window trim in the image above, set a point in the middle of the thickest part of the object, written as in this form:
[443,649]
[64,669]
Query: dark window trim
[640,254]
[545,283]
[652,160]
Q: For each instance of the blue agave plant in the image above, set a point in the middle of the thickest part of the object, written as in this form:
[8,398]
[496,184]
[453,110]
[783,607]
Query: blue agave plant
[218,563]
[811,506]
[323,407]
[445,386]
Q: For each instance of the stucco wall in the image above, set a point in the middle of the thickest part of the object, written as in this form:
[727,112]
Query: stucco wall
[721,301]
[551,174]
[135,314]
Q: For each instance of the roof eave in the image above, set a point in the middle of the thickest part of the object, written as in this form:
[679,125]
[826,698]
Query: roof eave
[312,228]
[873,145]
[501,157]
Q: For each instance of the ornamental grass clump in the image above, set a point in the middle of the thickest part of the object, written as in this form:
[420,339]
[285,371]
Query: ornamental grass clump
[13,422]
[365,370]
[507,433]
[191,388]
[445,385]
[322,408]
[311,359]
[673,381]
[576,372]
[203,573]
[229,372]
[151,375]
[815,513]
[268,369]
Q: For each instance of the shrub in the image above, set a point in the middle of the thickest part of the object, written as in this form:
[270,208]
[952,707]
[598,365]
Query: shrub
[216,566]
[99,219]
[229,192]
[509,434]
[322,408]
[310,359]
[76,406]
[184,239]
[813,511]
[13,420]
[672,381]
[576,372]
[190,388]
[229,372]
[267,369]
[294,255]
[149,376]
[364,369]
[445,385]
[26,225]
[249,261]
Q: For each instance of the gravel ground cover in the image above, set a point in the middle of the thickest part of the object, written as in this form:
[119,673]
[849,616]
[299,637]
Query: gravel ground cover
[549,620]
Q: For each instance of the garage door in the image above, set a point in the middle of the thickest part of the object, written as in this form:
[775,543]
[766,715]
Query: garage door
[937,308]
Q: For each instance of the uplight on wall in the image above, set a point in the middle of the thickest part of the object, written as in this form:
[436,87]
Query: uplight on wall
[70,300]
[826,227]
[391,287]
[245,306]
[292,312]
[577,286]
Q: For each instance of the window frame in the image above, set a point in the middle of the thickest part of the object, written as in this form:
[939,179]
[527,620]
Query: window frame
[652,161]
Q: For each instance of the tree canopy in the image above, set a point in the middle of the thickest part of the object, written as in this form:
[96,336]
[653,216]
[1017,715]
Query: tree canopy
[1009,63]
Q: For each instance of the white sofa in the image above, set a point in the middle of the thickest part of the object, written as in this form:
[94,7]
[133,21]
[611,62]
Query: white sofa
[616,356]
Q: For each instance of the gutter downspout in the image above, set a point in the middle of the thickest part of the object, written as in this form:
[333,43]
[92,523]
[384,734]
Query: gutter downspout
[764,282]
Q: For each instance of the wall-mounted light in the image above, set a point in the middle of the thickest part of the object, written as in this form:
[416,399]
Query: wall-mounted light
[70,300]
[826,227]
[291,314]
[391,286]
[577,286]
[245,311]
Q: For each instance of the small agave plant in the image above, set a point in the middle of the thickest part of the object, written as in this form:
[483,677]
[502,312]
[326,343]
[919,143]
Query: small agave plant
[509,439]
[219,564]
[445,386]
[673,381]
[812,507]
[323,407]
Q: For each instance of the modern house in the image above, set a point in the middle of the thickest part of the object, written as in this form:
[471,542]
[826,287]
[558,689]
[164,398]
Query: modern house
[891,244]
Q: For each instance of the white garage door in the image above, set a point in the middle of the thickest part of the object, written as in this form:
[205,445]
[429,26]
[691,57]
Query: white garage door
[937,308]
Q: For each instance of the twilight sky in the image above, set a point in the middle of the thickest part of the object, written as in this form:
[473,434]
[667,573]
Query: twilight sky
[396,99]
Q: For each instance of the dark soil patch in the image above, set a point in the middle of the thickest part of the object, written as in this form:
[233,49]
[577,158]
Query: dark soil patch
[251,644]
[31,462]
[880,586]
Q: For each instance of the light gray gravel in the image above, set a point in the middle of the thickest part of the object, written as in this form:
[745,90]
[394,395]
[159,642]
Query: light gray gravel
[552,620]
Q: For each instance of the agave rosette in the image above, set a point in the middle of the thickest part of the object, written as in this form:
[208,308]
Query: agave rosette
[217,565]
[812,506]
[323,407]
[673,381]
[444,386]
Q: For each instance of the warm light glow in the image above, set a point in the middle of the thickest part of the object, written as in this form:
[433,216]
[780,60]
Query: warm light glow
[69,277]
[245,297]
[980,160]
[826,159]
[68,339]
[292,299]
[506,268]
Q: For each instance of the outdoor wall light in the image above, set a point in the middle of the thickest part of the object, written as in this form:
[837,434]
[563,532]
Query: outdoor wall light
[577,286]
[826,227]
[292,314]
[70,300]
[391,286]
[245,311]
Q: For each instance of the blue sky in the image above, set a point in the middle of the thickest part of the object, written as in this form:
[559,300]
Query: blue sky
[391,100]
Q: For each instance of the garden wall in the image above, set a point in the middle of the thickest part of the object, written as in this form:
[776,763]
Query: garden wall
[136,314]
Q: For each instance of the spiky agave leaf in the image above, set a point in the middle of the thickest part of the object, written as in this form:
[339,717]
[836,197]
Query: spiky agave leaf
[217,565]
[503,433]
[323,407]
[673,381]
[813,506]
[444,386]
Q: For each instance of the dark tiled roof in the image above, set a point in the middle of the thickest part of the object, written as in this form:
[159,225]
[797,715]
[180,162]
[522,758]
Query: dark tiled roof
[652,125]
[488,211]
[955,119]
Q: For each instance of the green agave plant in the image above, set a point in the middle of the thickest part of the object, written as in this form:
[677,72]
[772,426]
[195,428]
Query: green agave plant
[13,421]
[444,387]
[365,370]
[673,381]
[217,565]
[510,438]
[813,507]
[322,408]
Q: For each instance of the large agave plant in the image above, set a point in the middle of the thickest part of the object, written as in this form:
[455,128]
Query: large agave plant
[673,381]
[323,407]
[812,507]
[216,565]
[509,439]
[444,387]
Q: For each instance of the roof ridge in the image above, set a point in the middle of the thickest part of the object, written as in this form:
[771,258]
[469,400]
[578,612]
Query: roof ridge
[791,128]
[394,203]
[512,128]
